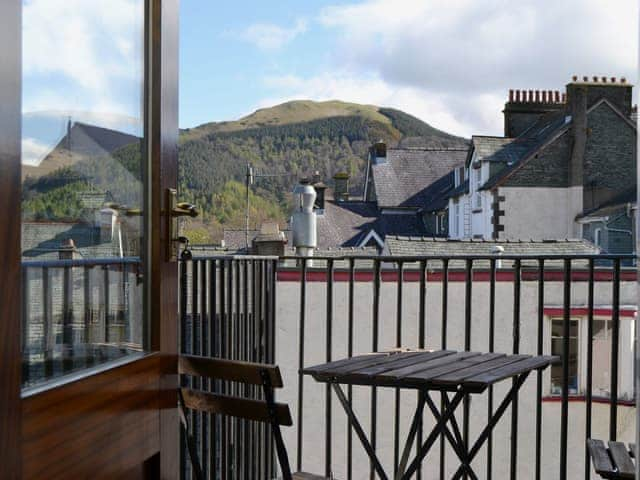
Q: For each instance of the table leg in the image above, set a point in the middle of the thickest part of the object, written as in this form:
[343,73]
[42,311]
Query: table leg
[441,426]
[493,422]
[412,434]
[353,420]
[455,439]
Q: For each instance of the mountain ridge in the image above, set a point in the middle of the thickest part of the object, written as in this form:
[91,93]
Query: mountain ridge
[284,142]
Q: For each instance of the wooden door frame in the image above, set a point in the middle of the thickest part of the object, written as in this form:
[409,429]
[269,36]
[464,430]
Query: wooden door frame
[162,304]
[10,229]
[163,291]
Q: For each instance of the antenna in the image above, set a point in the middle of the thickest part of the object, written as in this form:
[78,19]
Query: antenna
[250,178]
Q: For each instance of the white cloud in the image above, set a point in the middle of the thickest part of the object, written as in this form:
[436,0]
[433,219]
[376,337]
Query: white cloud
[34,151]
[84,50]
[433,108]
[268,36]
[460,57]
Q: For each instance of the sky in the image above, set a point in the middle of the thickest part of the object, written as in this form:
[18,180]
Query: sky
[451,63]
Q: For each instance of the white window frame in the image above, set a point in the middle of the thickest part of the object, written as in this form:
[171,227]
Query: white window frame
[581,335]
[583,328]
[477,194]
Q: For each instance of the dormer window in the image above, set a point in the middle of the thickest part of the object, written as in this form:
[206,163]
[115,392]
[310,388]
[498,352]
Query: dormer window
[478,185]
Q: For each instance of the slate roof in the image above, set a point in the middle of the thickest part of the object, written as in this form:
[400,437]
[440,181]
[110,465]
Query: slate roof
[343,224]
[513,152]
[346,224]
[401,181]
[461,189]
[235,240]
[613,206]
[416,246]
[44,240]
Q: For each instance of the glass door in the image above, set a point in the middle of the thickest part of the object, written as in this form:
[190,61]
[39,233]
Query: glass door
[84,186]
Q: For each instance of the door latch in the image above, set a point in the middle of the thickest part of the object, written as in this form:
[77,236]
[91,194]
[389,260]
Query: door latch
[174,211]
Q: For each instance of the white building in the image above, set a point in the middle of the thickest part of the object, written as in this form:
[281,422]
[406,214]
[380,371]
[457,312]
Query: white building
[559,159]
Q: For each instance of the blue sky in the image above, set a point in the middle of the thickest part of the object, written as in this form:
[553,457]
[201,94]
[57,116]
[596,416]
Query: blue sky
[223,66]
[448,62]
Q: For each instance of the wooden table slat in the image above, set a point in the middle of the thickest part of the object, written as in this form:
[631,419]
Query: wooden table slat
[339,363]
[411,369]
[440,370]
[510,370]
[365,362]
[401,361]
[621,459]
[431,373]
[600,457]
[459,376]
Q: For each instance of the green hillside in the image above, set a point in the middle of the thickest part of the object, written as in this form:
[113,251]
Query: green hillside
[283,143]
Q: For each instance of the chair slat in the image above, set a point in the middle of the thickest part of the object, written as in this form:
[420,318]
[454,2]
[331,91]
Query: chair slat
[622,460]
[600,457]
[230,370]
[235,406]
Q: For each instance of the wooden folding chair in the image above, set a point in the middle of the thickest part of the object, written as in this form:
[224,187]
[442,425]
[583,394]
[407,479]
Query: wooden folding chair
[267,410]
[613,461]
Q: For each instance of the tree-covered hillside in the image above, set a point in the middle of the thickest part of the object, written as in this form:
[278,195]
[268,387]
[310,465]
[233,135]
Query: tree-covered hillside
[282,143]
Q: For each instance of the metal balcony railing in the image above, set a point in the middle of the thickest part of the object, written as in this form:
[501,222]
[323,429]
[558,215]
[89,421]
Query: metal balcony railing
[298,312]
[79,313]
[341,306]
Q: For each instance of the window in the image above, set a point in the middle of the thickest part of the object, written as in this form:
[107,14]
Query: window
[556,349]
[455,228]
[84,167]
[601,357]
[597,237]
[478,182]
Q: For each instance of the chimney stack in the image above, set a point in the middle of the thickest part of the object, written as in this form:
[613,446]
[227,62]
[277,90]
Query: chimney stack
[270,240]
[524,107]
[341,189]
[68,250]
[320,188]
[303,221]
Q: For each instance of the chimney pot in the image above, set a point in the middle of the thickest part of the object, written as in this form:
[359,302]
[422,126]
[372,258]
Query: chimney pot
[585,79]
[613,79]
[575,78]
[537,96]
[518,96]
[595,79]
[623,80]
[557,96]
[530,96]
[510,96]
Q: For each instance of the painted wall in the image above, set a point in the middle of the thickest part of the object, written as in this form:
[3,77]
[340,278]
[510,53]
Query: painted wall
[288,311]
[535,212]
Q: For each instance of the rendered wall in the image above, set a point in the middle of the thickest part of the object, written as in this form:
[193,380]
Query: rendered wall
[288,311]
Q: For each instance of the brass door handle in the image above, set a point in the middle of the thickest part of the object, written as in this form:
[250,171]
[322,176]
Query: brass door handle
[184,209]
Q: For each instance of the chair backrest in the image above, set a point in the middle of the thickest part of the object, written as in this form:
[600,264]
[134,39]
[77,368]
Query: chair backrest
[267,410]
[233,371]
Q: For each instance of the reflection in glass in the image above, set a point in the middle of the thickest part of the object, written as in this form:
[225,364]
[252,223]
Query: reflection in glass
[83,176]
